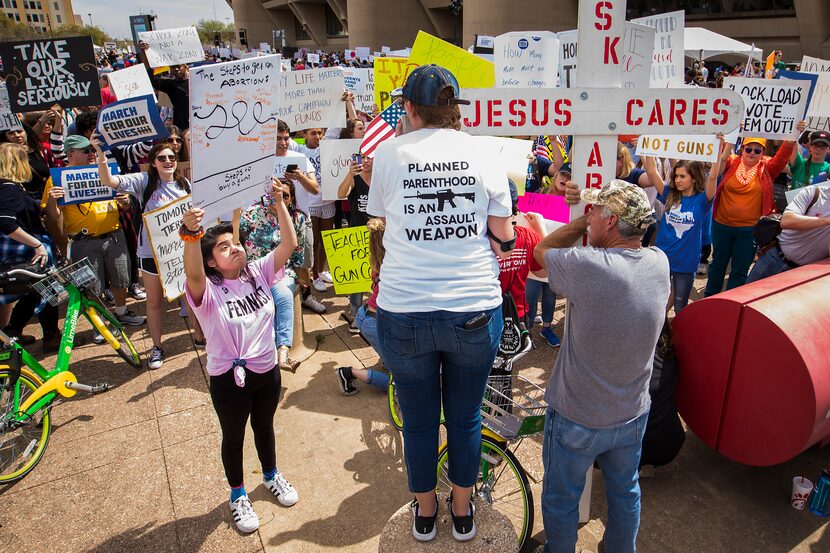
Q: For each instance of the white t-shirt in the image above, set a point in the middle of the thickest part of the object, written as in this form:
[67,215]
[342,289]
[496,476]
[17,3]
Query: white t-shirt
[314,200]
[436,188]
[301,195]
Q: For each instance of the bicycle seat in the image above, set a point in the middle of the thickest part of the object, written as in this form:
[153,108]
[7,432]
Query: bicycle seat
[17,279]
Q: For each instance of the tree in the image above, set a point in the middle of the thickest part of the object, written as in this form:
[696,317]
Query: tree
[207,29]
[13,30]
[99,37]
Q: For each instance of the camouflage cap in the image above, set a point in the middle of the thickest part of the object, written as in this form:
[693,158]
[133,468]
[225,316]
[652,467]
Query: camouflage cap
[625,200]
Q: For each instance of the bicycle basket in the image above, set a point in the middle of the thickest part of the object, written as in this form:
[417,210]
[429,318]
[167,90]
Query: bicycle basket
[81,274]
[51,289]
[513,406]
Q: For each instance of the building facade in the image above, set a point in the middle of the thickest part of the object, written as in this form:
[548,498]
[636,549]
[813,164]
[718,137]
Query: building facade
[40,14]
[797,27]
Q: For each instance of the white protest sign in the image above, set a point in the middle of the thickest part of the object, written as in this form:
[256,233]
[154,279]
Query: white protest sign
[361,83]
[818,124]
[810,64]
[512,153]
[385,49]
[667,68]
[237,53]
[225,52]
[131,82]
[689,147]
[350,55]
[637,54]
[131,120]
[313,58]
[110,45]
[172,46]
[8,120]
[362,52]
[773,106]
[265,47]
[567,58]
[162,226]
[285,65]
[526,59]
[335,156]
[312,98]
[82,184]
[820,102]
[233,123]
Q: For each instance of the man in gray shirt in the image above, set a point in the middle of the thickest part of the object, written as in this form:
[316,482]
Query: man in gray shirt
[597,395]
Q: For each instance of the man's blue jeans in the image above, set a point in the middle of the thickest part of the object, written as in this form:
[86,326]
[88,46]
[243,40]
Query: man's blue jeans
[283,294]
[436,361]
[568,452]
[770,263]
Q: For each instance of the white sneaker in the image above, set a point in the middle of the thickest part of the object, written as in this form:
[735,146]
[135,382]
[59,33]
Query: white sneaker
[319,285]
[244,515]
[312,303]
[285,492]
[97,338]
[326,276]
[537,320]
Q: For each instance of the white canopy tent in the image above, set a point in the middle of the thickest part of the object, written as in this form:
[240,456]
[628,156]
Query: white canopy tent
[701,44]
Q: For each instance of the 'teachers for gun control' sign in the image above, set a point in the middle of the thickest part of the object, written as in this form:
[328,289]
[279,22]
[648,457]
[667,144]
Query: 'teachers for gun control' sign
[162,227]
[42,73]
[82,184]
[773,107]
[131,120]
[347,251]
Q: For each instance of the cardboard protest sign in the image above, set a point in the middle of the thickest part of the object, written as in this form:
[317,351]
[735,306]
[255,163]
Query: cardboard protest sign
[637,54]
[45,72]
[335,156]
[312,98]
[667,67]
[567,58]
[313,58]
[233,123]
[820,103]
[8,120]
[512,153]
[552,208]
[810,64]
[773,106]
[361,83]
[693,148]
[347,251]
[172,46]
[131,120]
[470,70]
[389,74]
[162,226]
[818,124]
[82,184]
[131,82]
[526,59]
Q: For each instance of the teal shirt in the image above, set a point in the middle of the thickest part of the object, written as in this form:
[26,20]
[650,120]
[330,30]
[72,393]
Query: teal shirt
[799,169]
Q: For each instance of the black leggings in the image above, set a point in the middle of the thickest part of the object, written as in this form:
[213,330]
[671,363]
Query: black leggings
[258,398]
[24,310]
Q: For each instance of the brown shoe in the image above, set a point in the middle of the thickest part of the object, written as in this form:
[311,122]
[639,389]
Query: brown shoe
[289,365]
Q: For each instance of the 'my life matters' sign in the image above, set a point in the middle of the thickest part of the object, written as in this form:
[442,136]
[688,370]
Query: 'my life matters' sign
[42,73]
[82,184]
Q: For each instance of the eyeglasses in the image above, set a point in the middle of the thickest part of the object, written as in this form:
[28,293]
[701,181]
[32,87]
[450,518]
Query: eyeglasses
[164,158]
[88,150]
[820,145]
[753,150]
[174,140]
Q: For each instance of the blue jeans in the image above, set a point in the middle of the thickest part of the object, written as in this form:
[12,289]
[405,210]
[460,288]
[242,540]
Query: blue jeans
[436,361]
[734,244]
[368,326]
[355,301]
[533,289]
[771,263]
[283,294]
[682,286]
[568,452]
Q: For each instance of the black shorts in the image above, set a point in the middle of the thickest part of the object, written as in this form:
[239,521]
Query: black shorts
[148,265]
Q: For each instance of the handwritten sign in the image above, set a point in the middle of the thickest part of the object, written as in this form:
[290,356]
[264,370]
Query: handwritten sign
[820,102]
[526,59]
[567,58]
[8,120]
[512,153]
[312,98]
[313,58]
[361,83]
[390,73]
[82,184]
[693,148]
[131,120]
[335,156]
[362,52]
[172,46]
[552,208]
[347,251]
[470,70]
[773,106]
[131,82]
[667,67]
[162,226]
[637,54]
[818,124]
[42,73]
[810,64]
[233,123]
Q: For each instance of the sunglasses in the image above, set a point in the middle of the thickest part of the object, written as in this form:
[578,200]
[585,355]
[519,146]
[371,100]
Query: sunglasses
[753,150]
[164,158]
[175,140]
[88,150]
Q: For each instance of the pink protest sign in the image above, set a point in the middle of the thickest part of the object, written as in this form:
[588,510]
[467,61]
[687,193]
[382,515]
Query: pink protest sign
[552,208]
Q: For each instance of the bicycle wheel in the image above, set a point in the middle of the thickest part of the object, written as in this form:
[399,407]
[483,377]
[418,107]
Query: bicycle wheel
[394,407]
[21,446]
[502,483]
[114,334]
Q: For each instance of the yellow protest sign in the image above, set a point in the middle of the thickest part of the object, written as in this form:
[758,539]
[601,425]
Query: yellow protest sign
[347,250]
[471,70]
[390,73]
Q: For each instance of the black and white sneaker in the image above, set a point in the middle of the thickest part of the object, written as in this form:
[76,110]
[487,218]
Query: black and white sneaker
[423,528]
[108,298]
[346,381]
[243,515]
[463,527]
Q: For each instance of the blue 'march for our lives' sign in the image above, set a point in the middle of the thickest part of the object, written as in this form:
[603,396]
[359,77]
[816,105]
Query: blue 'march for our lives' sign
[82,184]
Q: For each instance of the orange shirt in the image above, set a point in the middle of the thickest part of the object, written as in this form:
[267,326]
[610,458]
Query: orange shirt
[740,205]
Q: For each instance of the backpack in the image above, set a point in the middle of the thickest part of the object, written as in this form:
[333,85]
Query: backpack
[768,228]
[514,328]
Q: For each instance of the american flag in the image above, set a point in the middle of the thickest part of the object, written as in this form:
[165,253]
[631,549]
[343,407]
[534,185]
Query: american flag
[381,128]
[543,147]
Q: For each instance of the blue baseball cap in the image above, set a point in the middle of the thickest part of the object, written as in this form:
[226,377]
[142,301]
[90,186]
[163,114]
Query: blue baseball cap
[425,83]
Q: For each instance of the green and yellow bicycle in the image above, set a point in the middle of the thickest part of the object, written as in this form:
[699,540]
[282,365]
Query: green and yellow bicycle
[27,389]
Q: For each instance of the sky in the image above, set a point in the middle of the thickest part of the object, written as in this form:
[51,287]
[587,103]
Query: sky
[113,17]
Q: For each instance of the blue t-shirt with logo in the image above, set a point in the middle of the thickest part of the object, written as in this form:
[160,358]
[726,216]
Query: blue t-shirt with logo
[680,235]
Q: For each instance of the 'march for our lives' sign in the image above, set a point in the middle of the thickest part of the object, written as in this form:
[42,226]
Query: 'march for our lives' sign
[82,184]
[131,120]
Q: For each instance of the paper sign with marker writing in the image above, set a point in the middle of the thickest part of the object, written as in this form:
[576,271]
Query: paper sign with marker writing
[512,153]
[667,68]
[548,206]
[567,58]
[810,64]
[233,117]
[689,147]
[131,120]
[82,184]
[162,226]
[773,107]
[347,251]
[390,73]
[312,98]
[526,59]
[8,120]
[361,83]
[820,102]
[131,82]
[470,70]
[172,46]
[637,54]
[313,58]
[335,156]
